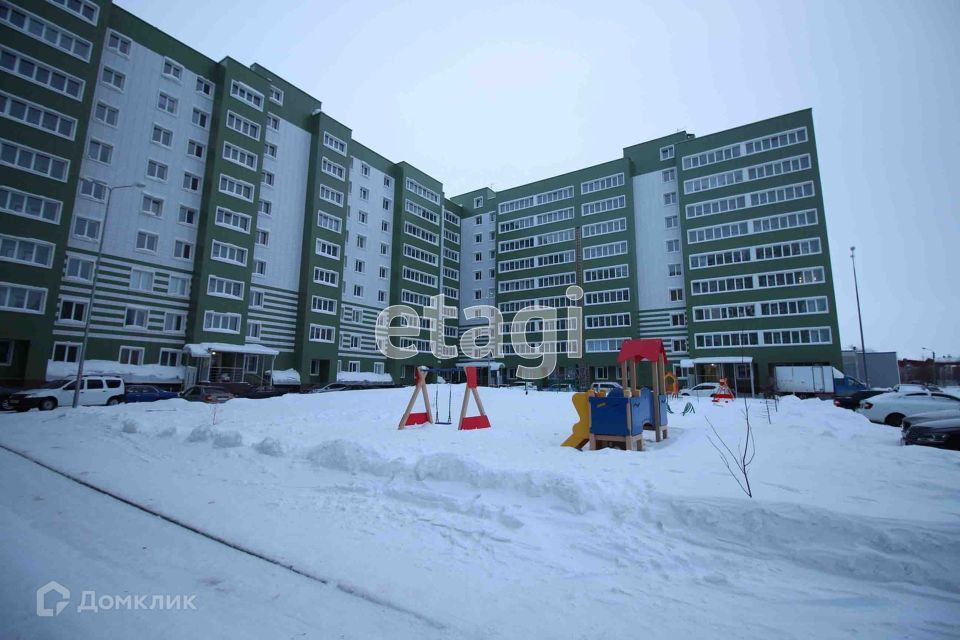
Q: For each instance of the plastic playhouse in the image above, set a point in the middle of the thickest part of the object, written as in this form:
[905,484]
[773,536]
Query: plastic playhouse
[620,417]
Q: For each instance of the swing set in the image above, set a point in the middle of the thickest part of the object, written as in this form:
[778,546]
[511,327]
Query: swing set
[431,416]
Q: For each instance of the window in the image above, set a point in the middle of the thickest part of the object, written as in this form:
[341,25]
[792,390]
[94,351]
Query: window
[364,169]
[674,269]
[672,222]
[328,249]
[24,251]
[381,296]
[22,298]
[200,118]
[232,220]
[162,136]
[265,207]
[678,319]
[129,355]
[676,295]
[362,217]
[79,269]
[167,103]
[172,70]
[152,206]
[331,195]
[170,357]
[327,221]
[679,344]
[320,304]
[223,252]
[191,182]
[669,175]
[36,116]
[263,237]
[602,206]
[359,266]
[236,188]
[384,273]
[106,114]
[195,149]
[86,228]
[321,333]
[147,241]
[273,122]
[670,198]
[221,322]
[33,161]
[386,204]
[178,286]
[333,169]
[135,317]
[364,193]
[225,288]
[268,178]
[182,250]
[65,352]
[384,249]
[156,170]
[93,189]
[113,78]
[673,246]
[276,95]
[240,156]
[242,125]
[335,143]
[253,330]
[100,151]
[187,215]
[326,277]
[666,153]
[246,94]
[358,290]
[204,86]
[270,150]
[72,310]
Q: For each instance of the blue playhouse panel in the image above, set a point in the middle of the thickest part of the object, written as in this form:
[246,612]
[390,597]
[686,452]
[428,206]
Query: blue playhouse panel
[608,416]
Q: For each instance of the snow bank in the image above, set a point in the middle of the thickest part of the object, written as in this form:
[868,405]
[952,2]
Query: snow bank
[363,376]
[285,376]
[130,373]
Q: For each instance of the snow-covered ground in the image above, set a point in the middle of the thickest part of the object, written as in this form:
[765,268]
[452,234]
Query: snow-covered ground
[497,533]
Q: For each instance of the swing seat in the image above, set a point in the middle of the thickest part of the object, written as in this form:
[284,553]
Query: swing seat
[475,422]
[417,418]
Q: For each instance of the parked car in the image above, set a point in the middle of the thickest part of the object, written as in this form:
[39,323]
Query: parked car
[891,408]
[853,400]
[702,390]
[560,386]
[206,393]
[333,386]
[915,386]
[5,393]
[606,387]
[920,418]
[943,434]
[258,393]
[147,393]
[96,390]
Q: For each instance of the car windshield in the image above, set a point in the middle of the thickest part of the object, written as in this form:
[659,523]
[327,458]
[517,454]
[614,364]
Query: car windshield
[54,384]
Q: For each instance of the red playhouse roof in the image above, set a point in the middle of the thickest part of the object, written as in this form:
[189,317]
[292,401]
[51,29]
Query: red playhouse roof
[642,349]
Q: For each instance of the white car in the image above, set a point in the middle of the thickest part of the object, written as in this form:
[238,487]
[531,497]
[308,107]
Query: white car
[891,408]
[606,387]
[96,390]
[702,390]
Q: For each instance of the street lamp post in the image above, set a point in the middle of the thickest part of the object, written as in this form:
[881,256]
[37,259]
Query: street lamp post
[935,377]
[93,288]
[863,349]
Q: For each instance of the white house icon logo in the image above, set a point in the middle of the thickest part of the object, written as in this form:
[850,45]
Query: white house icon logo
[42,610]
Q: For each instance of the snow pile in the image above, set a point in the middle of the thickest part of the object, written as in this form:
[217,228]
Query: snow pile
[285,376]
[364,376]
[130,373]
[848,534]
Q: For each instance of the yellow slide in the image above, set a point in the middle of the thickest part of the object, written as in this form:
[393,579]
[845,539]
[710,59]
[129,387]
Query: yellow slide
[581,430]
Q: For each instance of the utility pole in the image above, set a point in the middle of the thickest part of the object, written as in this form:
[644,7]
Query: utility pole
[863,348]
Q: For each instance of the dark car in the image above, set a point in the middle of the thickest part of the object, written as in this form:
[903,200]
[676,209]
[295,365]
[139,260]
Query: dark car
[147,393]
[207,393]
[852,401]
[257,393]
[333,386]
[942,434]
[5,393]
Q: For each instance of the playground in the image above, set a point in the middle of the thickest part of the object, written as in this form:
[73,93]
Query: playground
[496,532]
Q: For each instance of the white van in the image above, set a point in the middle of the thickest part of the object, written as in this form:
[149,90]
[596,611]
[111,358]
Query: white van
[96,390]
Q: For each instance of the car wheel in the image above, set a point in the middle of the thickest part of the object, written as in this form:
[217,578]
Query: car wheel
[894,419]
[48,404]
[114,401]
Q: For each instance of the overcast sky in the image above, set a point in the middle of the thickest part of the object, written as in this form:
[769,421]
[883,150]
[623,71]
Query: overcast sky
[498,94]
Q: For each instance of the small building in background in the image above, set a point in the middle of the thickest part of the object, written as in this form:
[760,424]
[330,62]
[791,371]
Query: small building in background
[944,372]
[882,367]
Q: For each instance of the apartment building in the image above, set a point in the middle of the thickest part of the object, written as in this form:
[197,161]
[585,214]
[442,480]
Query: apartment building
[244,230]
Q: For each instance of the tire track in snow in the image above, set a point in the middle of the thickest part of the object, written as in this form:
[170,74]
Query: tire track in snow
[345,587]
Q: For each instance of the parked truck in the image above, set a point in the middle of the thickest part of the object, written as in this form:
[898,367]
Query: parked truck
[815,380]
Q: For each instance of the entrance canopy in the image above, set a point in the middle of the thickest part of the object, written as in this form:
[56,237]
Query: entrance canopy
[206,349]
[689,363]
